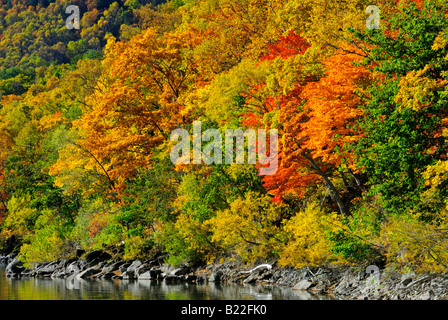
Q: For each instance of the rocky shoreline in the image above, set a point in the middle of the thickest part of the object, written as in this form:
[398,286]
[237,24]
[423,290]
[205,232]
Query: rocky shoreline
[338,282]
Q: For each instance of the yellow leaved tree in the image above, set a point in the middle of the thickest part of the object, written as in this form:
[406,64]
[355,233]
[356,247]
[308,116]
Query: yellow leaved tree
[135,106]
[251,227]
[308,238]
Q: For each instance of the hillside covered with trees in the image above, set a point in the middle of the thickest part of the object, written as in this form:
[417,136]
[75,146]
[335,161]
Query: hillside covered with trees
[86,117]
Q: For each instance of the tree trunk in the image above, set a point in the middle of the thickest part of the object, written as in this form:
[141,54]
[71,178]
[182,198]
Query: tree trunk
[333,192]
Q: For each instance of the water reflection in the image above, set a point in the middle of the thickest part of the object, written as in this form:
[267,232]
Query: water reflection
[58,289]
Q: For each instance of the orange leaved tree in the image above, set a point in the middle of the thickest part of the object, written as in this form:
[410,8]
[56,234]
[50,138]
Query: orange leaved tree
[317,126]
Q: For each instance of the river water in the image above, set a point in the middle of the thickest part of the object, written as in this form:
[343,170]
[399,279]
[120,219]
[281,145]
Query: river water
[106,289]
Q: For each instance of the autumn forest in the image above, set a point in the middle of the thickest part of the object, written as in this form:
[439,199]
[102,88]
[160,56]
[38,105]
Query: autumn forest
[86,116]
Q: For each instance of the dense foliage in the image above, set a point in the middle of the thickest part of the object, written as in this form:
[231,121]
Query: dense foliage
[86,117]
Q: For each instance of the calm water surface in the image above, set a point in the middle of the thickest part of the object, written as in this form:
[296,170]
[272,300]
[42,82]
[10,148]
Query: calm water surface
[57,289]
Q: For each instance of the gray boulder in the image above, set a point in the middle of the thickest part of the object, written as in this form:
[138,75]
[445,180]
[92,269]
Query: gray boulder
[88,272]
[130,272]
[85,274]
[112,266]
[47,269]
[302,285]
[259,275]
[73,267]
[124,267]
[27,272]
[142,269]
[134,265]
[145,276]
[180,271]
[150,274]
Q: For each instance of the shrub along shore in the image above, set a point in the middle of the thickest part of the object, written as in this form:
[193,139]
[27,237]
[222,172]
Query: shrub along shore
[339,282]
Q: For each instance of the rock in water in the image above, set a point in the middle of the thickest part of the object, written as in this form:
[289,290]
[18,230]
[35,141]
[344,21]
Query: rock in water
[302,285]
